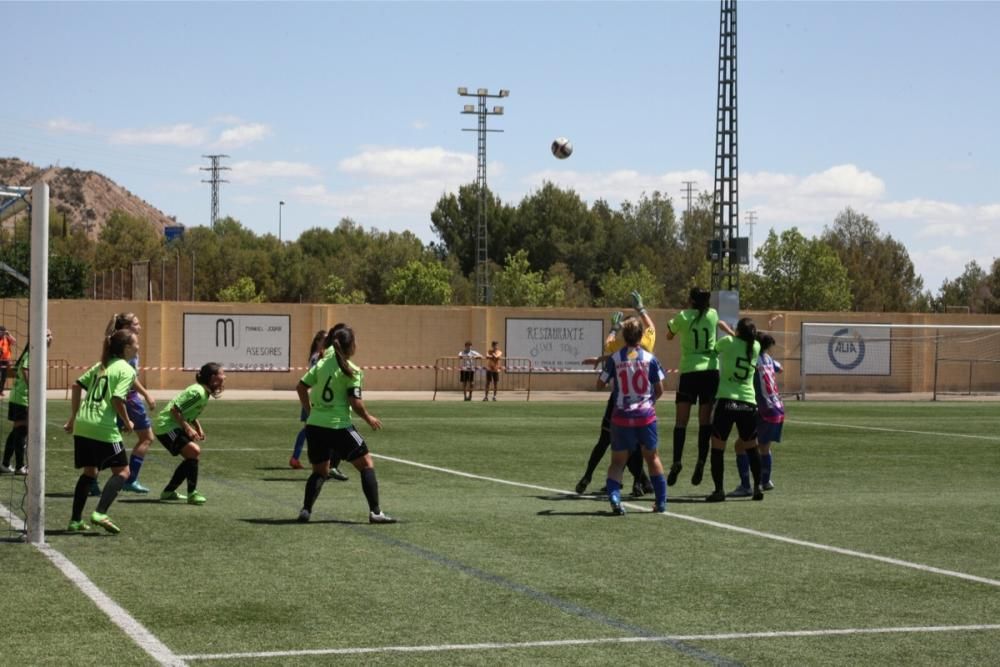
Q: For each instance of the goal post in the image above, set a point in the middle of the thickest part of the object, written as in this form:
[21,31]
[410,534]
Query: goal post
[936,360]
[37,348]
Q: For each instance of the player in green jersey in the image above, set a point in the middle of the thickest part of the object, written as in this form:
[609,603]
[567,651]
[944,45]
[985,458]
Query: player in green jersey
[177,428]
[699,377]
[736,405]
[328,392]
[17,412]
[97,440]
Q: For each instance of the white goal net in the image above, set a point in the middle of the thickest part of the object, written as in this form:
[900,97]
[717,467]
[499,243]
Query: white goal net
[936,360]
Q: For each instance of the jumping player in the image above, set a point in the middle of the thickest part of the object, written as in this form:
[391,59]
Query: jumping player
[699,379]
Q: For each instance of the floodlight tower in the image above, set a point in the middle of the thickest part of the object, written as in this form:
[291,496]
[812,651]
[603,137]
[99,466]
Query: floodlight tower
[483,292]
[727,249]
[215,181]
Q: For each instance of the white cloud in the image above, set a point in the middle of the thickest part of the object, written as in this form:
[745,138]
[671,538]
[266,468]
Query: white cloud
[183,134]
[843,181]
[249,171]
[922,209]
[420,124]
[242,135]
[67,125]
[617,186]
[421,163]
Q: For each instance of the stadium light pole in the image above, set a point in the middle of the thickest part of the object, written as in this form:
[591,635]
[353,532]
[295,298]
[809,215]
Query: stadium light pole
[281,204]
[483,295]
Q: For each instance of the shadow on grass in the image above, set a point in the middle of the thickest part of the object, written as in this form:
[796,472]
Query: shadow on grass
[601,512]
[295,522]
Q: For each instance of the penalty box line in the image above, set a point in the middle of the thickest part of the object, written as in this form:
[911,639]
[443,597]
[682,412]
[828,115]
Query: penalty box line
[556,643]
[718,524]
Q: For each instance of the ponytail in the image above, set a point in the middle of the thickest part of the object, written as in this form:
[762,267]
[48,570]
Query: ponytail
[119,321]
[342,341]
[700,301]
[115,344]
[746,330]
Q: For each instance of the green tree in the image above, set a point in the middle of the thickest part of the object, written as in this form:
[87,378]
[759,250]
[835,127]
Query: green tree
[971,291]
[126,239]
[517,285]
[455,220]
[616,288]
[420,283]
[882,276]
[797,273]
[335,291]
[242,291]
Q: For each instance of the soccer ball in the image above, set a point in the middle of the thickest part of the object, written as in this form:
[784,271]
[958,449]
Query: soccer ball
[562,148]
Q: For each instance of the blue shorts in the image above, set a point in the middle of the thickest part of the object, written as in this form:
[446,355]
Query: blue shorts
[768,432]
[629,438]
[136,410]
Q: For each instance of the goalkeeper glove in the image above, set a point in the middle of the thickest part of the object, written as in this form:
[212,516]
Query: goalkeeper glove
[616,321]
[637,302]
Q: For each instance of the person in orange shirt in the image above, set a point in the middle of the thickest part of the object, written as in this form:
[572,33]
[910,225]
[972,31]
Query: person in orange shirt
[6,343]
[493,356]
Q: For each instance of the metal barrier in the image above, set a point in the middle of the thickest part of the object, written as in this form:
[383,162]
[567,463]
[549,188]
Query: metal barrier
[515,375]
[58,375]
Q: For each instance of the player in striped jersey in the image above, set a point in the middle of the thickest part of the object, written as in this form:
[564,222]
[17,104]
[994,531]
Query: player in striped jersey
[640,484]
[770,419]
[177,428]
[141,425]
[638,383]
[97,440]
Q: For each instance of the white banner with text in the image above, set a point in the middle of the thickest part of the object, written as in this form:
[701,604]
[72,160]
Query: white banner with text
[555,345]
[238,342]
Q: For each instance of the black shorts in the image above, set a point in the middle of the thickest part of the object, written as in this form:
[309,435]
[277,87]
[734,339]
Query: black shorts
[697,387]
[174,441]
[739,413]
[606,420]
[466,376]
[17,413]
[94,453]
[493,376]
[343,444]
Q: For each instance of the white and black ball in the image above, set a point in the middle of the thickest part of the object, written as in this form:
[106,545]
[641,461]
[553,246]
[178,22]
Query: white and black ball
[562,148]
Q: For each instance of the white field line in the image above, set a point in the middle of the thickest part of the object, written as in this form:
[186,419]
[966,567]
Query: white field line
[125,621]
[860,427]
[718,524]
[590,642]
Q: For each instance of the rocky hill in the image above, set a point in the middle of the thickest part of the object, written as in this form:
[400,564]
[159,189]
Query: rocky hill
[86,198]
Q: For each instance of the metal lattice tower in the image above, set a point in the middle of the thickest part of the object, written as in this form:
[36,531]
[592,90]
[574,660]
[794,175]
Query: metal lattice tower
[483,292]
[215,181]
[725,267]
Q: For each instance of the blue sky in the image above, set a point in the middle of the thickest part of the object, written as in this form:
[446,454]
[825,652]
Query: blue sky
[351,110]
